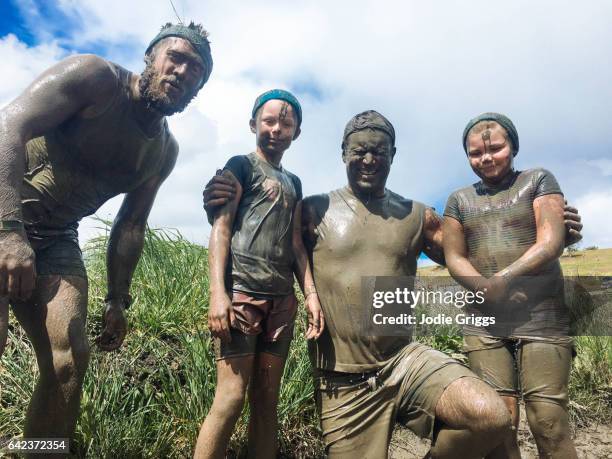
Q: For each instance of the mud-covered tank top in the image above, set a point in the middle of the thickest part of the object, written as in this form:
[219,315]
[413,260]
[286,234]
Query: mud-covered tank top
[76,167]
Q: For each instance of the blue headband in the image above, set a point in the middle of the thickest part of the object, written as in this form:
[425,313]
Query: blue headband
[278,94]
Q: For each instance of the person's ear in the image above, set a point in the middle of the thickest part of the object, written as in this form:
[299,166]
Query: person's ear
[393,150]
[297,133]
[344,156]
[252,125]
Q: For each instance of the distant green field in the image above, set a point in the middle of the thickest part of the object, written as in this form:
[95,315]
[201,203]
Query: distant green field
[149,399]
[582,263]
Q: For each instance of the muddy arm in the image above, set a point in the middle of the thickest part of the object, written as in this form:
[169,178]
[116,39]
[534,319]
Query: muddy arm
[433,237]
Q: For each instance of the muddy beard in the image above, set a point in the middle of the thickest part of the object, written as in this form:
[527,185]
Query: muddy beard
[155,98]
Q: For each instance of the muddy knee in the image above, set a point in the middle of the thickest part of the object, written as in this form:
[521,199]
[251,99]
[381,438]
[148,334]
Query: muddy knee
[229,402]
[477,407]
[69,365]
[493,419]
[548,421]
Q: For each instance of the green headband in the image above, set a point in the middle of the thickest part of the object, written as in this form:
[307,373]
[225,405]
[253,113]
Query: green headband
[278,94]
[199,43]
[502,120]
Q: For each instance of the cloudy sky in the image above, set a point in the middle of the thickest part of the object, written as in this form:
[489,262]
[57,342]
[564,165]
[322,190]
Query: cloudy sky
[428,66]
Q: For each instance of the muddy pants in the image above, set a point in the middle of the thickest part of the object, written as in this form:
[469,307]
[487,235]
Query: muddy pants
[359,410]
[536,369]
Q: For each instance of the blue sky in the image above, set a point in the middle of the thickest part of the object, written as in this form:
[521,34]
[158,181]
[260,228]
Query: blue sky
[428,66]
[23,18]
[11,21]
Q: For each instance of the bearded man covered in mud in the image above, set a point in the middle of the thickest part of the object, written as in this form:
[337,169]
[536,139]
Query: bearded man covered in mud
[83,132]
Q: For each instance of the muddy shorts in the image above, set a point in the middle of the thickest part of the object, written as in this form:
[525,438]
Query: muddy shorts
[263,324]
[359,411]
[536,368]
[57,252]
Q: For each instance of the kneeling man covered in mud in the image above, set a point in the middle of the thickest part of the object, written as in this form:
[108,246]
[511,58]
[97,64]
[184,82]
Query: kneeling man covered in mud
[83,132]
[364,384]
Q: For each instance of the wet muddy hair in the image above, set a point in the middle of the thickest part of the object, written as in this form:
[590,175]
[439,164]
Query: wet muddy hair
[370,119]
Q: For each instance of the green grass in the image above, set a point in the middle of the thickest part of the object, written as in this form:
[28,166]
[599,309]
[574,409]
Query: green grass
[591,381]
[149,399]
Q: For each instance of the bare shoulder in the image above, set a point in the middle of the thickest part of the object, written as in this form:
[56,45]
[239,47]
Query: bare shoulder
[400,205]
[316,204]
[87,80]
[89,64]
[314,209]
[81,84]
[86,72]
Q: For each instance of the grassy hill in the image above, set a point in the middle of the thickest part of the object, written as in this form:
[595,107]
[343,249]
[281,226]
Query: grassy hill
[596,262]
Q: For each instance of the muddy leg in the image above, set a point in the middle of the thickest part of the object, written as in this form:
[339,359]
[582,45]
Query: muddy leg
[54,320]
[233,375]
[475,420]
[545,369]
[263,398]
[509,449]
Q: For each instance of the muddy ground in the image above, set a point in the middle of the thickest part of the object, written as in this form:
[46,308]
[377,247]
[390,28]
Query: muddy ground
[593,442]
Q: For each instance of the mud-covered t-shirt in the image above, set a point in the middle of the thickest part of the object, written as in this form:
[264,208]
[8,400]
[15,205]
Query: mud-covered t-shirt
[499,227]
[261,249]
[350,240]
[76,167]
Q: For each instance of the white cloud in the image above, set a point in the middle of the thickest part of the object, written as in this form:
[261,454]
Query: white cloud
[20,64]
[604,165]
[427,67]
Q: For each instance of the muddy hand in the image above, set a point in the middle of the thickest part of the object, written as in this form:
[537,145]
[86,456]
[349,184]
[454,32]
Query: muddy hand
[115,326]
[221,317]
[219,190]
[573,225]
[17,265]
[316,321]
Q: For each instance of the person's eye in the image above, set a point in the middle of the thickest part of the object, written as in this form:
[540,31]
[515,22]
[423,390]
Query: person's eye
[198,68]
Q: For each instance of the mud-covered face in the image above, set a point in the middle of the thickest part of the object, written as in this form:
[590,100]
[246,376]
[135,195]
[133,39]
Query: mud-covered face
[172,78]
[490,153]
[368,155]
[275,126]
